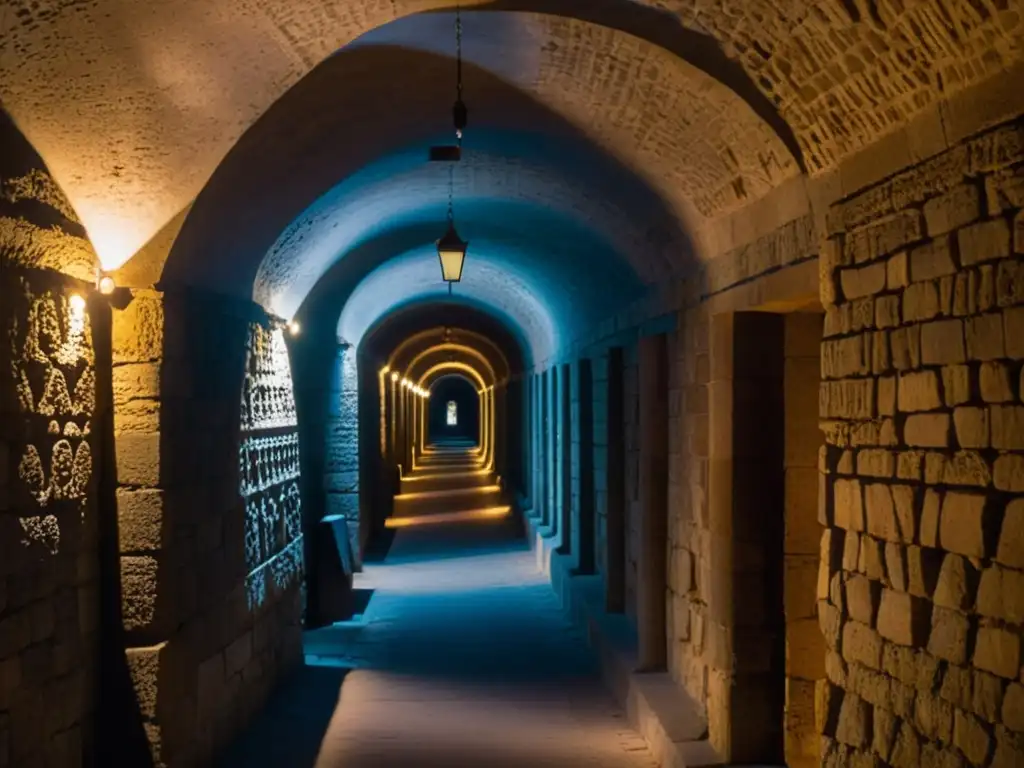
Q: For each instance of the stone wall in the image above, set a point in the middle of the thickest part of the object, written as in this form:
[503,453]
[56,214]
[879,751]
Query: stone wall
[631,434]
[921,574]
[49,559]
[210,555]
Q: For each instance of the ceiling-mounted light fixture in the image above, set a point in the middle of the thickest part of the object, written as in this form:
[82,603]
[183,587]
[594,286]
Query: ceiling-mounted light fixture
[451,249]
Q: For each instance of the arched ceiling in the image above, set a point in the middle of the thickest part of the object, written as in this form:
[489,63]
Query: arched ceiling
[133,105]
[400,336]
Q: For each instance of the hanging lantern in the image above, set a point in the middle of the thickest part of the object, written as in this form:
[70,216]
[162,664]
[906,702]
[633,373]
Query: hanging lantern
[451,250]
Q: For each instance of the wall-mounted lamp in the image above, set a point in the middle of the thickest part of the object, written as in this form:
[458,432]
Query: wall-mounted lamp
[294,328]
[76,302]
[105,284]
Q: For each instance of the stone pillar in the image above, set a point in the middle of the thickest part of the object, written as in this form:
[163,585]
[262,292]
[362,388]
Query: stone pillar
[615,537]
[583,519]
[746,624]
[536,448]
[652,561]
[564,443]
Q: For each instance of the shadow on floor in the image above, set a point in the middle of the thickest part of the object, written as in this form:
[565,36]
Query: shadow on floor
[290,730]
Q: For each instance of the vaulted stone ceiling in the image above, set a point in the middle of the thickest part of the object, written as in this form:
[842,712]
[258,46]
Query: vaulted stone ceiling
[133,105]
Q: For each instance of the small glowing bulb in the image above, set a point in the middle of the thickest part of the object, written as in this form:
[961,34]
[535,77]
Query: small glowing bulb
[107,285]
[406,383]
[384,370]
[294,328]
[394,376]
[77,303]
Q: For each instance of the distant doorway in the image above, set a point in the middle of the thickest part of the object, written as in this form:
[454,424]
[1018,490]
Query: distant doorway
[453,411]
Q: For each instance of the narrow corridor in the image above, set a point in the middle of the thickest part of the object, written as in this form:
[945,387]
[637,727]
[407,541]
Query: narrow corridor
[463,656]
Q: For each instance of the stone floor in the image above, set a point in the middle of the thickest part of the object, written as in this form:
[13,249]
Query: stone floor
[462,657]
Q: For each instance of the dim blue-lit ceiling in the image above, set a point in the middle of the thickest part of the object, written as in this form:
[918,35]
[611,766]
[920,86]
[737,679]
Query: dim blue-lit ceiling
[575,193]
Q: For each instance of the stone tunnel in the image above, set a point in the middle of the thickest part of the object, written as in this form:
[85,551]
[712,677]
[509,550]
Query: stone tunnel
[714,455]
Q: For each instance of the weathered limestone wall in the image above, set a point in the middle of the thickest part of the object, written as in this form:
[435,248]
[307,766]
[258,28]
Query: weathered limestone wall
[50,461]
[49,559]
[211,552]
[921,575]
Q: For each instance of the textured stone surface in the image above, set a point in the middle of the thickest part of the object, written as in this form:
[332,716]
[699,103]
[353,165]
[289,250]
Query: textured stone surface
[950,612]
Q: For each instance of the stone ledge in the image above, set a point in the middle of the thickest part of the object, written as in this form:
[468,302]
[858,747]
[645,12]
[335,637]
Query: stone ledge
[658,707]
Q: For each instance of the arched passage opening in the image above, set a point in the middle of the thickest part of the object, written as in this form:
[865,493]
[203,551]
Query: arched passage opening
[633,178]
[453,414]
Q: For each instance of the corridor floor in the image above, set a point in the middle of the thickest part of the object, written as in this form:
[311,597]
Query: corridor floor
[463,657]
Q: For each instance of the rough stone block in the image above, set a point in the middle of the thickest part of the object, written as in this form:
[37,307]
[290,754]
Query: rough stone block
[921,301]
[956,686]
[957,582]
[966,468]
[922,571]
[986,695]
[1009,283]
[918,391]
[1013,332]
[949,634]
[872,559]
[962,523]
[971,737]
[955,208]
[971,426]
[848,399]
[846,357]
[956,384]
[897,273]
[933,717]
[830,621]
[1001,594]
[895,566]
[849,505]
[984,241]
[942,342]
[1008,472]
[862,644]
[1013,707]
[906,751]
[1009,749]
[140,518]
[887,311]
[905,347]
[858,282]
[927,430]
[138,459]
[862,599]
[1007,426]
[902,618]
[1010,550]
[984,337]
[139,590]
[854,723]
[997,650]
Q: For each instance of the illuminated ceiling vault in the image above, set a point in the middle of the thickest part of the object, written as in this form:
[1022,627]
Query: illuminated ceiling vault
[275,150]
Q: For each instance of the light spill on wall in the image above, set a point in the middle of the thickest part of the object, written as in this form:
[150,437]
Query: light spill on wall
[269,468]
[53,369]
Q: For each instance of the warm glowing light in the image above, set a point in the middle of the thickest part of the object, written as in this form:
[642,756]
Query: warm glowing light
[77,303]
[394,376]
[487,513]
[384,370]
[406,383]
[106,285]
[294,328]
